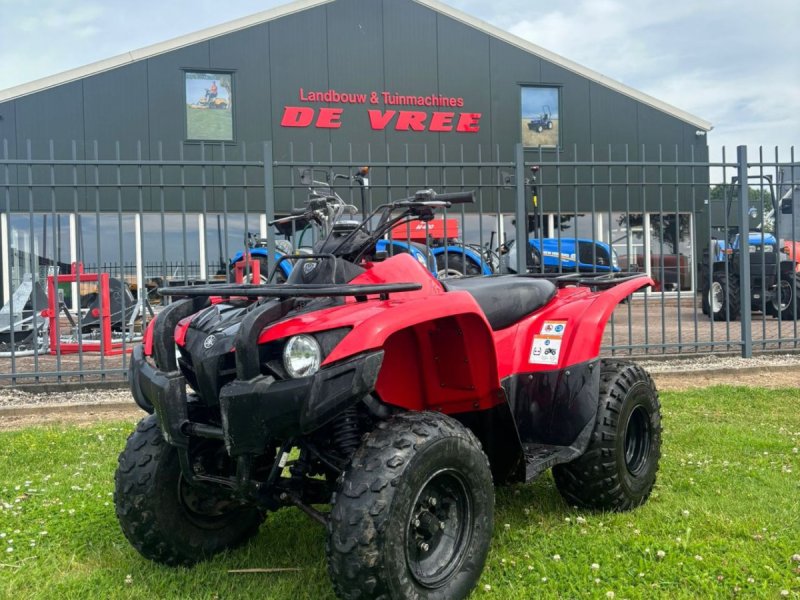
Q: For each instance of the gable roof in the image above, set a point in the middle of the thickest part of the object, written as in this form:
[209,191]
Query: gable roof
[301,5]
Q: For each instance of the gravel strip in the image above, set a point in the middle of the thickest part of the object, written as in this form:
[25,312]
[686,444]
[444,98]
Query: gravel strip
[21,399]
[726,366]
[719,363]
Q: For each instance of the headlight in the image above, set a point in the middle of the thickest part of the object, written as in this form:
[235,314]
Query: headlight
[301,356]
[421,258]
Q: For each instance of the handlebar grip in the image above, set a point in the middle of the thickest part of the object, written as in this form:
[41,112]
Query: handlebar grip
[457,198]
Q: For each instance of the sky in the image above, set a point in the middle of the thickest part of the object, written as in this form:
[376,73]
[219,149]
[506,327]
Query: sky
[735,63]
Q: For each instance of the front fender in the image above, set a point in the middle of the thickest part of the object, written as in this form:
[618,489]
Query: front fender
[439,353]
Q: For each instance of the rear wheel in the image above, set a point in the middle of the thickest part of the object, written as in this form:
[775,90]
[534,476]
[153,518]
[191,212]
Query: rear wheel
[166,519]
[784,299]
[618,469]
[455,264]
[413,514]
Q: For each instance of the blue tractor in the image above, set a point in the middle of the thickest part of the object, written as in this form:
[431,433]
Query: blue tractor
[772,281]
[553,255]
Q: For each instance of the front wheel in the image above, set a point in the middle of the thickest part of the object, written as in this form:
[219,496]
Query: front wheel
[413,514]
[618,470]
[723,298]
[166,519]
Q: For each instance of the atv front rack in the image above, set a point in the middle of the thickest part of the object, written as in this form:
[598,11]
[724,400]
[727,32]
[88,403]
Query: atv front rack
[286,290]
[593,280]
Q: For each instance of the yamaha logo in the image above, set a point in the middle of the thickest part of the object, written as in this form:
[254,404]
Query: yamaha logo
[209,341]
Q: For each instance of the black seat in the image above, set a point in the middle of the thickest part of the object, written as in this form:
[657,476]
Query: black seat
[504,299]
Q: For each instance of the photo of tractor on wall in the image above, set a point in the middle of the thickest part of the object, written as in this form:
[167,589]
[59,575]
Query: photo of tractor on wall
[540,117]
[209,106]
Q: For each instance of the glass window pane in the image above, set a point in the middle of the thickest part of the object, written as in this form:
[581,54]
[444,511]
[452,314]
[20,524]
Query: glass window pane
[671,254]
[627,238]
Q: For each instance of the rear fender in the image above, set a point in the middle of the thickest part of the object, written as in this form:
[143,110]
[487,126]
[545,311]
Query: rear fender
[582,315]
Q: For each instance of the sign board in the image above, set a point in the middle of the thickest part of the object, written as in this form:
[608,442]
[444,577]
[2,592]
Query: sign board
[417,231]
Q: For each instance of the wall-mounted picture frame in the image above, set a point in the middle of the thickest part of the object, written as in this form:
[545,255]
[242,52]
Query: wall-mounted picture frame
[540,119]
[209,106]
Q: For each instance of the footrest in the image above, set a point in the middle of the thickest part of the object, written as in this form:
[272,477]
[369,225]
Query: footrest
[540,457]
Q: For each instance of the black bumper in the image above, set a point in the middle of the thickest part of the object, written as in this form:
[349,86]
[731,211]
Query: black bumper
[258,410]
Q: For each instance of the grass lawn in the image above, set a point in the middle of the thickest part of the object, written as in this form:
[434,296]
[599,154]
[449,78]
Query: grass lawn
[724,521]
[209,124]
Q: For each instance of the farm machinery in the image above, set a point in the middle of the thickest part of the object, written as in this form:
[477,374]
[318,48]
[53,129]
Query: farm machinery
[366,385]
[542,121]
[772,262]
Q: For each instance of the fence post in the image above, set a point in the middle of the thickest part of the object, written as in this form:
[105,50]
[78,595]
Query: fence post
[269,204]
[521,212]
[745,282]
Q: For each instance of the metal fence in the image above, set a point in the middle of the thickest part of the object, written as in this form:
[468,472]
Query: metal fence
[722,254]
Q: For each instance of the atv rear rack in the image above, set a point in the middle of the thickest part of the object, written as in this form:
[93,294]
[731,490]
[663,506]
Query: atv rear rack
[286,290]
[593,280]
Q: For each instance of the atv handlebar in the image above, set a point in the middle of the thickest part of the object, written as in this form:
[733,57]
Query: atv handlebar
[456,198]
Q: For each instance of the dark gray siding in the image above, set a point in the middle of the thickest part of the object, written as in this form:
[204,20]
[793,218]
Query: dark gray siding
[351,46]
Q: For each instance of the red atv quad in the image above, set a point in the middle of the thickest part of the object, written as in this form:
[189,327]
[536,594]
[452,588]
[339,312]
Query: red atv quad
[366,385]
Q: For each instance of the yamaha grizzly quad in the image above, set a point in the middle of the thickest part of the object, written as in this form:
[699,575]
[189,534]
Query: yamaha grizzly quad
[365,385]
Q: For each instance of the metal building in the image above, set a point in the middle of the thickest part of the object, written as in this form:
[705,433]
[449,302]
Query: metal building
[338,80]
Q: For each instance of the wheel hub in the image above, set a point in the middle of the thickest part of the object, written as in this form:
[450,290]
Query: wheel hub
[637,440]
[783,296]
[439,529]
[449,273]
[715,296]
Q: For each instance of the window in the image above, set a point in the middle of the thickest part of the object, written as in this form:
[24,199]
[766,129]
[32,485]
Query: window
[671,251]
[209,106]
[540,120]
[38,243]
[163,246]
[627,238]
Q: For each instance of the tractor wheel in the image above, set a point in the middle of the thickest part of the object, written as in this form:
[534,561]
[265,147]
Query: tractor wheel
[166,519]
[539,129]
[413,514]
[784,300]
[723,298]
[704,299]
[618,470]
[549,124]
[457,265]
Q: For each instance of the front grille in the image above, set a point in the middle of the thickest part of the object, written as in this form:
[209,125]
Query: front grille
[208,377]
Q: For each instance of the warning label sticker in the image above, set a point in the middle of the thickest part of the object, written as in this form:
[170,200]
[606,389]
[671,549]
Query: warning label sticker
[545,350]
[554,328]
